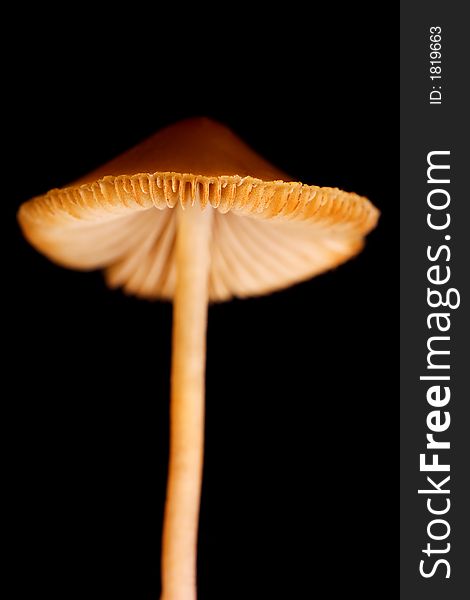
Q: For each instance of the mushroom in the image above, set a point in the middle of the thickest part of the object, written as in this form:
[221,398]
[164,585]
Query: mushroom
[194,215]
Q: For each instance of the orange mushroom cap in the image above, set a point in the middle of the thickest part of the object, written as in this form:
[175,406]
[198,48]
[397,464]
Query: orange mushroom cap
[268,232]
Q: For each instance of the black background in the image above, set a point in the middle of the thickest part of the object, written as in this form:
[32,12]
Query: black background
[298,481]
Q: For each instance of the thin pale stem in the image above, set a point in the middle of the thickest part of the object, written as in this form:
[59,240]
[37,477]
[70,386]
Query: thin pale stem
[180,528]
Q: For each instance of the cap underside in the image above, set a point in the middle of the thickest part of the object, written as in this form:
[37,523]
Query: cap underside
[266,235]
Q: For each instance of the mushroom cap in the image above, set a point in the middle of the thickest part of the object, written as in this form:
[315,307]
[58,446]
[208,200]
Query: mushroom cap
[268,232]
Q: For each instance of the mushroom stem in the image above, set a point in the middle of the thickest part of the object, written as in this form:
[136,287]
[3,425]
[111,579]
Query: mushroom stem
[180,528]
